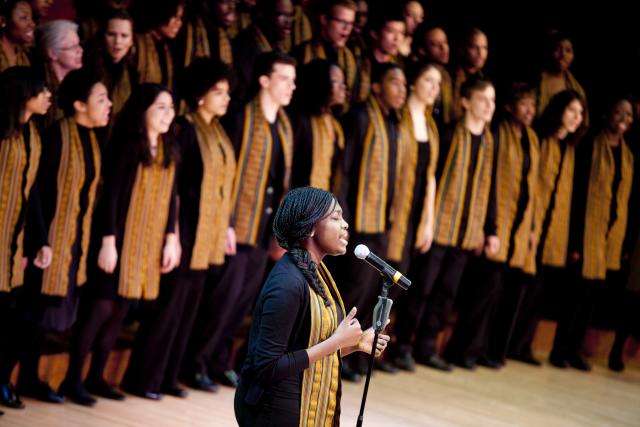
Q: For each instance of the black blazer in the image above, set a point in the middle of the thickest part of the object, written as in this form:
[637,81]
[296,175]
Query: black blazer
[279,336]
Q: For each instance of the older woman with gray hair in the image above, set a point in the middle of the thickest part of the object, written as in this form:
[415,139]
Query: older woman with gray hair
[61,53]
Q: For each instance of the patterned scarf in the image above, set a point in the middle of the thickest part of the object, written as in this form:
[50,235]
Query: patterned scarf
[452,188]
[326,133]
[15,187]
[554,248]
[318,402]
[405,183]
[252,172]
[62,231]
[145,226]
[508,183]
[148,61]
[120,92]
[21,58]
[219,165]
[603,245]
[373,180]
[545,93]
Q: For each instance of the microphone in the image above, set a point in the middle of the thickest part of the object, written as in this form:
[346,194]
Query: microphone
[363,252]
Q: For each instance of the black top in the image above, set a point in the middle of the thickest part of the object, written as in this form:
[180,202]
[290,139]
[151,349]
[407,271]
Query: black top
[355,125]
[420,183]
[279,336]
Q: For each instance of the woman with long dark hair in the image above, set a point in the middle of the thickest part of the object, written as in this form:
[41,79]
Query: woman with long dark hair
[560,128]
[23,95]
[135,233]
[300,328]
[204,184]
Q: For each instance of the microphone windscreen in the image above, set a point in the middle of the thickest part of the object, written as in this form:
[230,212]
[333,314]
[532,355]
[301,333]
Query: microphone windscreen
[361,251]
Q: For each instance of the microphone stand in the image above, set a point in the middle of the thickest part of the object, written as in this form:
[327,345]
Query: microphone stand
[380,316]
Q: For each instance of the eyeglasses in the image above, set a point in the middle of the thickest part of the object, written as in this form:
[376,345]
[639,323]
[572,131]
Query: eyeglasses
[71,48]
[343,23]
[339,83]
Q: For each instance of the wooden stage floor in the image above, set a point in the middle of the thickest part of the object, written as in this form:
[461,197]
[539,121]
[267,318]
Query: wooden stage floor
[518,395]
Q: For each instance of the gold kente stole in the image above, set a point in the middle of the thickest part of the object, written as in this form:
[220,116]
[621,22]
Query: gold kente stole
[196,41]
[405,182]
[373,180]
[508,183]
[15,187]
[301,27]
[120,91]
[325,133]
[446,96]
[63,229]
[315,50]
[554,248]
[318,401]
[261,40]
[545,92]
[252,172]
[144,232]
[452,188]
[21,59]
[219,165]
[148,61]
[603,245]
[243,20]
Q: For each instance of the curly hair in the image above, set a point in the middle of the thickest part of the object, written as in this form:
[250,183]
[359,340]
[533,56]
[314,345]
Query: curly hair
[300,210]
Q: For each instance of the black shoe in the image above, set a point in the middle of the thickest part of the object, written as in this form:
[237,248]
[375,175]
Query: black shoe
[468,362]
[525,358]
[487,362]
[616,364]
[203,382]
[102,389]
[579,363]
[385,366]
[9,397]
[348,374]
[406,362]
[229,378]
[77,394]
[558,361]
[40,391]
[436,362]
[175,391]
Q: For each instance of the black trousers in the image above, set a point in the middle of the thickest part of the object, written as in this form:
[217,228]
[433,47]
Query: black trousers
[21,338]
[529,313]
[423,310]
[516,288]
[164,332]
[271,411]
[479,296]
[577,303]
[223,307]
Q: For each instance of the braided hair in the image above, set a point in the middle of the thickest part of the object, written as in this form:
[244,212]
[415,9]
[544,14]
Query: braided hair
[300,210]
